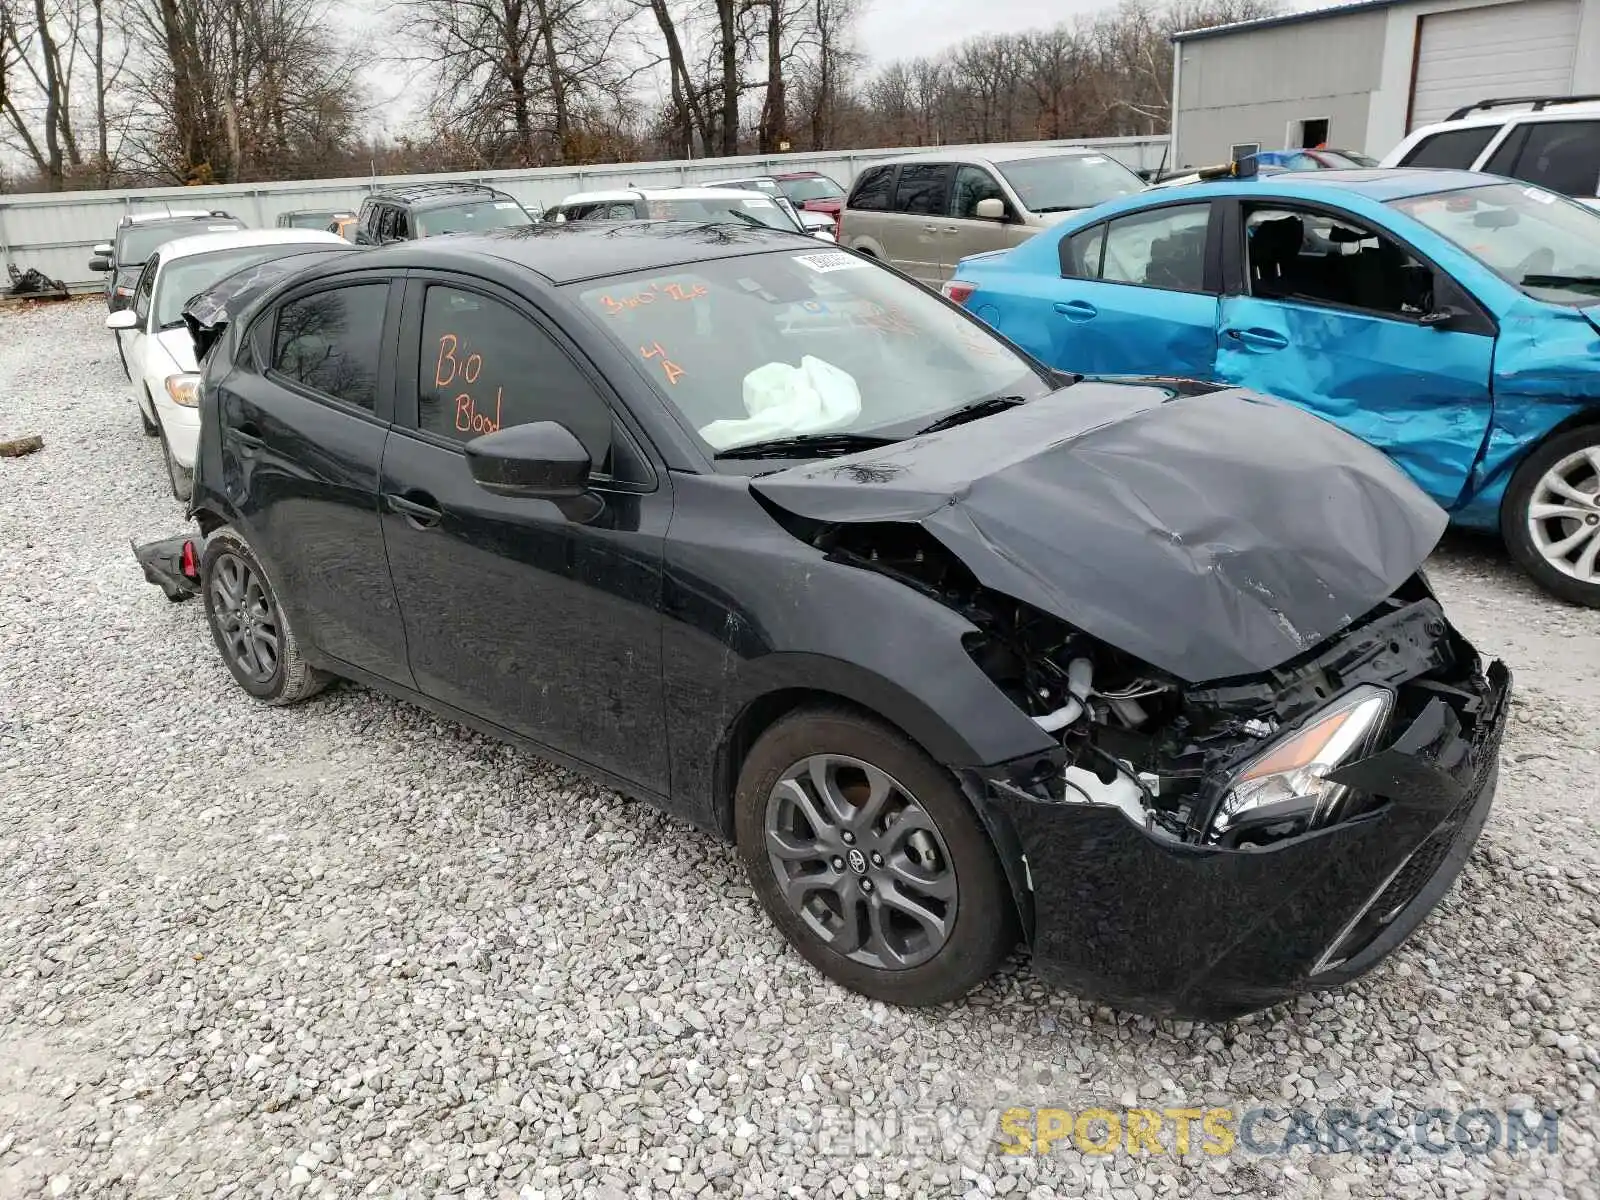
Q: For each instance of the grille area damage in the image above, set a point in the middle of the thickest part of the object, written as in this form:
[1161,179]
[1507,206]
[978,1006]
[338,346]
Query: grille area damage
[1165,751]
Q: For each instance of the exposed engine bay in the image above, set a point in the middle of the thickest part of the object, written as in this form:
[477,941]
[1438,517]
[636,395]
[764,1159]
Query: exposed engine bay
[1238,763]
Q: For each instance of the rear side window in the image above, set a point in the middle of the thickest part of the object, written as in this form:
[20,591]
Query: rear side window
[1560,156]
[923,189]
[1080,253]
[1161,249]
[330,342]
[872,190]
[1456,149]
[485,367]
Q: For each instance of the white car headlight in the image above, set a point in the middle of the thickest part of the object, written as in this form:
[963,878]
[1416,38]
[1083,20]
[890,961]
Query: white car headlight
[1287,781]
[184,389]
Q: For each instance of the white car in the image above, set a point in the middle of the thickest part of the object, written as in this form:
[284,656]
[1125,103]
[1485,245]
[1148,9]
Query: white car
[1552,142]
[160,354]
[690,204]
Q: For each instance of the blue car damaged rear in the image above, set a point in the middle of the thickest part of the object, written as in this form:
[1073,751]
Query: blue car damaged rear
[1449,318]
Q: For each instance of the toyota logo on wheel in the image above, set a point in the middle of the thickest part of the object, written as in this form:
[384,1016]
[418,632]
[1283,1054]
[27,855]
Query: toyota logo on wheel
[858,861]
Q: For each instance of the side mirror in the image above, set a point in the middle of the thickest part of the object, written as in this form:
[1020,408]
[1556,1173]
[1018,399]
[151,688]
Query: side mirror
[99,262]
[123,318]
[544,460]
[1441,318]
[992,209]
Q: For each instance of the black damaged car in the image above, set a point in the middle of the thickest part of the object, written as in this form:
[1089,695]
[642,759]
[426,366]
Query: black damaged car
[958,650]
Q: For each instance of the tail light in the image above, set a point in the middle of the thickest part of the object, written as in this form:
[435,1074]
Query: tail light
[187,563]
[958,291]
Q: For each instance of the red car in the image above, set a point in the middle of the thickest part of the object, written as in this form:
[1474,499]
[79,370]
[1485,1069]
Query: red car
[814,190]
[810,190]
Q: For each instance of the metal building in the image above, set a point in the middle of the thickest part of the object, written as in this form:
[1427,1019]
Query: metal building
[1361,76]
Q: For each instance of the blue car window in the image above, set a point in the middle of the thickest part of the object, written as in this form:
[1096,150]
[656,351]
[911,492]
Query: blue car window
[1318,258]
[1163,249]
[1542,243]
[1081,253]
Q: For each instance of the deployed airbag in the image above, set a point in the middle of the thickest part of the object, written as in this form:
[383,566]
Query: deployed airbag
[1210,534]
[783,400]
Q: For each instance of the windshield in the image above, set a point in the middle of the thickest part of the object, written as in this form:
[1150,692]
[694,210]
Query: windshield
[182,279]
[742,210]
[312,220]
[792,344]
[472,216]
[1069,181]
[818,188]
[136,243]
[1543,243]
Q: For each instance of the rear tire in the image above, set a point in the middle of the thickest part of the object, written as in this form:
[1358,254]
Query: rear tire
[1550,517]
[870,860]
[249,626]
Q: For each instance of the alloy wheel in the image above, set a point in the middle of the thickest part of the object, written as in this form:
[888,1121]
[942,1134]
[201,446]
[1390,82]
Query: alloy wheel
[861,862]
[246,617]
[1564,515]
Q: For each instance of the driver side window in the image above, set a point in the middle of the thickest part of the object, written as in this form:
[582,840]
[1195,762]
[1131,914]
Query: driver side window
[145,287]
[1319,258]
[972,185]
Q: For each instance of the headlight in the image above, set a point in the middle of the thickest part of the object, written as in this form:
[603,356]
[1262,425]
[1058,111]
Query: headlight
[1286,784]
[184,389]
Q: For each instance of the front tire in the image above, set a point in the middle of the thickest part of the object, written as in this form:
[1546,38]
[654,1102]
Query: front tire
[870,860]
[151,428]
[1550,518]
[249,626]
[179,477]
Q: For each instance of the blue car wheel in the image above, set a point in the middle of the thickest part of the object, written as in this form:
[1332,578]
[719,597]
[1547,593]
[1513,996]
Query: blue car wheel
[1550,518]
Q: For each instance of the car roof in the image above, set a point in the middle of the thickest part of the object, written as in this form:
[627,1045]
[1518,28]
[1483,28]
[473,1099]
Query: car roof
[984,156]
[1374,183]
[1525,110]
[204,243]
[677,193]
[177,214]
[577,250]
[439,193]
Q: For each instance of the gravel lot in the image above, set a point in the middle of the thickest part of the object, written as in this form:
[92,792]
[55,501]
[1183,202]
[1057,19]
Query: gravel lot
[345,949]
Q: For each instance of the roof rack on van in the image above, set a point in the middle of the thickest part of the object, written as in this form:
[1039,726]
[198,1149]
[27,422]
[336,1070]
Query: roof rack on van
[1540,103]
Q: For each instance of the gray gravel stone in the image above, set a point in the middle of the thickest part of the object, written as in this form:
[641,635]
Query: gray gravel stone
[345,949]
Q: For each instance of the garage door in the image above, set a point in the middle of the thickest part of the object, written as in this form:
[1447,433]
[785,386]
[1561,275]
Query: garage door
[1523,49]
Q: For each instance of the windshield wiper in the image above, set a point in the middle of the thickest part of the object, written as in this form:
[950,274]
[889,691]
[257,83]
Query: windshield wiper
[1049,208]
[1561,280]
[972,412]
[808,445]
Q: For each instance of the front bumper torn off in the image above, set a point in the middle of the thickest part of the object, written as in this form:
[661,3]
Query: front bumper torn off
[1209,933]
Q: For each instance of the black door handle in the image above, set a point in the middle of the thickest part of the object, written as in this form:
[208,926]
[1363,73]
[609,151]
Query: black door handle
[421,516]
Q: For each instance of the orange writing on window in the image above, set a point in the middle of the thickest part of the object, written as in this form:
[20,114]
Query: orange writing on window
[671,369]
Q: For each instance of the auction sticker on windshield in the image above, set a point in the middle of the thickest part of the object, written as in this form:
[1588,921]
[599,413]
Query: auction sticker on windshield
[830,260]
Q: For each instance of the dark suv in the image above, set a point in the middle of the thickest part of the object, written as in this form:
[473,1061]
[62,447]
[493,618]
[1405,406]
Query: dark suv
[138,235]
[401,212]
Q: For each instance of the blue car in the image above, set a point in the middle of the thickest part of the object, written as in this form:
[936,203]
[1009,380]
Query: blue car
[1449,318]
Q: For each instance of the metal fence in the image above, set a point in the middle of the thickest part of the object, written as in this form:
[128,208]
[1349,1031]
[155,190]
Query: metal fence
[56,232]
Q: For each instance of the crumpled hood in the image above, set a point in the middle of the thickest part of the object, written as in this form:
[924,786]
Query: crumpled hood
[1209,533]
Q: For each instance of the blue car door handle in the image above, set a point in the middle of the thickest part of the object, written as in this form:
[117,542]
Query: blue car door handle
[1077,310]
[1259,339]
